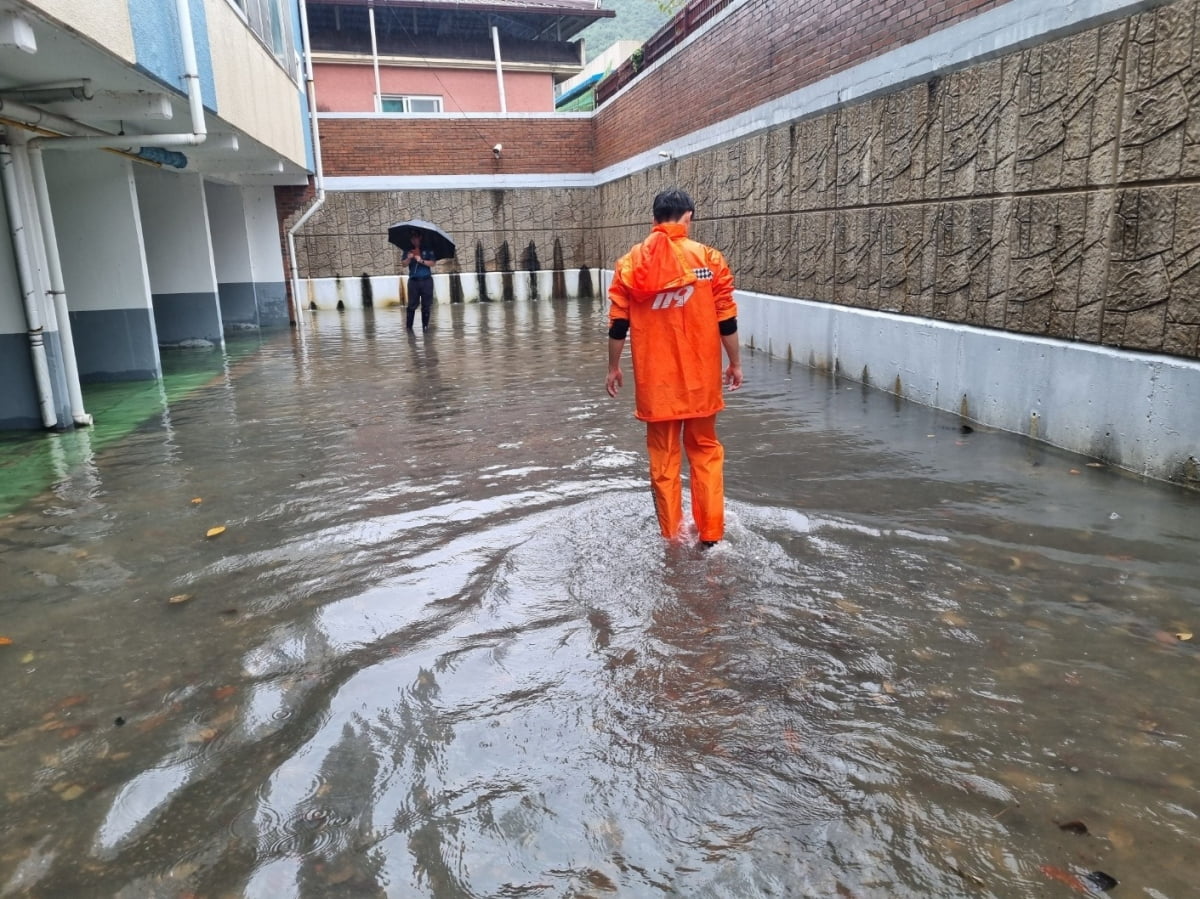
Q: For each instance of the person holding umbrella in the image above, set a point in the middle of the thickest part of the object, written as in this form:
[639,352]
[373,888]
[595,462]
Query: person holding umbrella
[423,244]
[420,280]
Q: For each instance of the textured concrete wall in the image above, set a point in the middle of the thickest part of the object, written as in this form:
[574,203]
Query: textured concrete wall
[1049,191]
[347,237]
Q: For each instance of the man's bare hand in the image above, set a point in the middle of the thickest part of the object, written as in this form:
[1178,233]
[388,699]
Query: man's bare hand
[733,377]
[614,382]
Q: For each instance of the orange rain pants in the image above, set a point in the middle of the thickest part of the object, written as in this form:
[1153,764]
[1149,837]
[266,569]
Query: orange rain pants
[706,460]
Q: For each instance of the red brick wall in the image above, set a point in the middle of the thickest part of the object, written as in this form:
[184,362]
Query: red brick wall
[455,146]
[764,50]
[289,201]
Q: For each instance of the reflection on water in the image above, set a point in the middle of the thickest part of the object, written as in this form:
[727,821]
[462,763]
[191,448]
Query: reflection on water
[440,650]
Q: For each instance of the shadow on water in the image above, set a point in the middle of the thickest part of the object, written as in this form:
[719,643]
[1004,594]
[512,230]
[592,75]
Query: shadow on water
[440,650]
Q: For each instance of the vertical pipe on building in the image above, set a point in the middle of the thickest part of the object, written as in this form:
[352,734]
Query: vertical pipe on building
[499,68]
[319,172]
[33,318]
[375,55]
[58,290]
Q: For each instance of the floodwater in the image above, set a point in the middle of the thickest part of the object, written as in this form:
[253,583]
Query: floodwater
[441,651]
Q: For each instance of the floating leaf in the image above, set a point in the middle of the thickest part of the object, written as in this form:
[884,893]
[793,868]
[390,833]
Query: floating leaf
[178,598]
[1095,465]
[953,619]
[27,658]
[5,641]
[1073,471]
[72,792]
[1184,635]
[196,500]
[888,688]
[1064,877]
[213,532]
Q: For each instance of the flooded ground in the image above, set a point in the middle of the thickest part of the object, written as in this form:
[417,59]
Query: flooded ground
[440,651]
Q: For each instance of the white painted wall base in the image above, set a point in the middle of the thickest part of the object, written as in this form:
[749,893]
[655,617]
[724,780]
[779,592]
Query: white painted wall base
[1134,410]
[325,293]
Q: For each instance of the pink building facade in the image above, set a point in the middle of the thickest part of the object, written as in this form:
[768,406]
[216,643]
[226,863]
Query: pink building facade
[343,87]
[445,56]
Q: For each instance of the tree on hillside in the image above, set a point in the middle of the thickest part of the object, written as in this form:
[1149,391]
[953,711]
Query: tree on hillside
[636,20]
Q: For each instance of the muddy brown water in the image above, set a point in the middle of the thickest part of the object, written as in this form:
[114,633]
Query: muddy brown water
[440,650]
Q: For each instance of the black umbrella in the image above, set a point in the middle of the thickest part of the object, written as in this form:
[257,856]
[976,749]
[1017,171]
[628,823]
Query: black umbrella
[432,237]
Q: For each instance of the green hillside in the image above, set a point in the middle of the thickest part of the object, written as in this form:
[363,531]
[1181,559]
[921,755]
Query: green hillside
[636,20]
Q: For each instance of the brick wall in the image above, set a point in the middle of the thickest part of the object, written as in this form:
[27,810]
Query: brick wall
[763,50]
[289,201]
[456,146]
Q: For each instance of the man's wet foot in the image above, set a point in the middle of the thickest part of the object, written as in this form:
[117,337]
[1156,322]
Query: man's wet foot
[708,544]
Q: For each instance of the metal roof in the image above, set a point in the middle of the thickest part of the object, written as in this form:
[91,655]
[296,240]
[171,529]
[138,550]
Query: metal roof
[553,20]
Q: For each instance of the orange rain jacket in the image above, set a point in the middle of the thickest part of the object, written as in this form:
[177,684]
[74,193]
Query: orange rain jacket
[673,291]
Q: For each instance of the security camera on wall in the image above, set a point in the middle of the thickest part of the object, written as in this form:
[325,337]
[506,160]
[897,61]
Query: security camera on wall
[496,150]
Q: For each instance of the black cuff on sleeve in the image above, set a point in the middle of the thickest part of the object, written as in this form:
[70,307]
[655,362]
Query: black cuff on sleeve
[728,326]
[619,328]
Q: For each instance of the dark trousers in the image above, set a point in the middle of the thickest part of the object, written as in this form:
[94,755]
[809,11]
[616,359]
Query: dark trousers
[420,290]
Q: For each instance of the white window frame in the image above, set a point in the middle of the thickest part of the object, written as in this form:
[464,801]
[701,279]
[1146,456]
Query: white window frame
[406,102]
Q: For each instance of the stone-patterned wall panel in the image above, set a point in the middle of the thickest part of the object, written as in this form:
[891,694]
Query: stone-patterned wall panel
[901,146]
[972,133]
[857,129]
[1160,133]
[780,181]
[779,275]
[746,242]
[898,225]
[921,260]
[814,256]
[1183,308]
[1069,97]
[856,257]
[998,265]
[964,235]
[728,168]
[1139,285]
[1031,265]
[814,162]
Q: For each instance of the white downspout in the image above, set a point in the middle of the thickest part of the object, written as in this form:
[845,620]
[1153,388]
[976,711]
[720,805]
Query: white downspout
[499,68]
[319,169]
[33,318]
[375,55]
[134,143]
[58,290]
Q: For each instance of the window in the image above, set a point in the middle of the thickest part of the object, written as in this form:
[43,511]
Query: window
[410,103]
[271,22]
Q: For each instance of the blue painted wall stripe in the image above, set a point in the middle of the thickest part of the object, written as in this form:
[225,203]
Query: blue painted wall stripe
[159,53]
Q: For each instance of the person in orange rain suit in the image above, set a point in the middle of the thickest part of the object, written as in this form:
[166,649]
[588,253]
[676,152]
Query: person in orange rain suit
[676,298]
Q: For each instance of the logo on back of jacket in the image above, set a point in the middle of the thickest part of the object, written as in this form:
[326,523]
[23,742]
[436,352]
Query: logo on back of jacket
[665,299]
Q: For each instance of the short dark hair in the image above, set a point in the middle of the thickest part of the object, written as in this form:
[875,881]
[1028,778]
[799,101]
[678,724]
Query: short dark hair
[670,205]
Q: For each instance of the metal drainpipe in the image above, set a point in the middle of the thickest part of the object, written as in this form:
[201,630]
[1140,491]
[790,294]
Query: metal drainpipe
[375,55]
[132,144]
[33,318]
[499,68]
[319,200]
[58,290]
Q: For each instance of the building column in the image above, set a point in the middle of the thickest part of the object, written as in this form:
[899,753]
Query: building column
[266,260]
[231,257]
[249,266]
[95,207]
[179,258]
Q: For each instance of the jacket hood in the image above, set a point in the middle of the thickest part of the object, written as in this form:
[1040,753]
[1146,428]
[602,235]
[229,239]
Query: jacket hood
[657,263]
